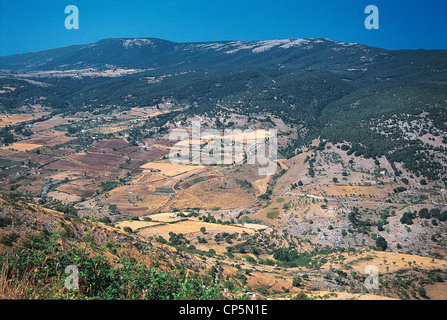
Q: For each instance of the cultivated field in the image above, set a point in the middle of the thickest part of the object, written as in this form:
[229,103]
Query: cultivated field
[39,140]
[135,225]
[169,169]
[187,227]
[10,119]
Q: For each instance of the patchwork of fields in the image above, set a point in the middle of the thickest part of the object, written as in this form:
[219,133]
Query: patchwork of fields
[228,210]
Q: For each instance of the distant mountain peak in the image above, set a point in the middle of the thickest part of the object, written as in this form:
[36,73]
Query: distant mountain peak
[129,43]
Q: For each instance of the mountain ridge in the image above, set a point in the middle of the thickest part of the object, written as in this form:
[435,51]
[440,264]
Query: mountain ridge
[159,53]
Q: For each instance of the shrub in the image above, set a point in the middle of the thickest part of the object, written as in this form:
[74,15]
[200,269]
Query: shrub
[40,268]
[68,210]
[160,239]
[175,239]
[399,189]
[301,296]
[228,285]
[422,292]
[128,229]
[296,281]
[210,253]
[250,259]
[201,240]
[9,239]
[436,213]
[381,243]
[424,213]
[105,220]
[4,222]
[407,218]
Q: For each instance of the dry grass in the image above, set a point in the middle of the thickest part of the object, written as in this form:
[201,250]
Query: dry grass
[22,146]
[64,197]
[255,226]
[134,225]
[170,169]
[345,191]
[13,287]
[160,146]
[391,262]
[325,295]
[190,226]
[49,139]
[164,217]
[261,184]
[17,118]
[109,128]
[248,136]
[281,162]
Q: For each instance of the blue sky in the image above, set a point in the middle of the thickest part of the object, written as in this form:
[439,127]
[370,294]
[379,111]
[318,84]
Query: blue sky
[403,24]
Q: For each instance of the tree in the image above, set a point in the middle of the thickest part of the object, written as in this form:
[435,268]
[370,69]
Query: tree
[311,172]
[422,292]
[301,296]
[201,240]
[228,285]
[407,218]
[203,230]
[175,239]
[105,220]
[250,259]
[6,136]
[381,243]
[424,213]
[335,179]
[296,281]
[352,216]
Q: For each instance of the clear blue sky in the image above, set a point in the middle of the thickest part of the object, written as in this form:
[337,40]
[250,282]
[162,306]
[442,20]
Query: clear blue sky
[403,24]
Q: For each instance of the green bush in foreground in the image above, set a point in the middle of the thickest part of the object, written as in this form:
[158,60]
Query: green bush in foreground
[42,262]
